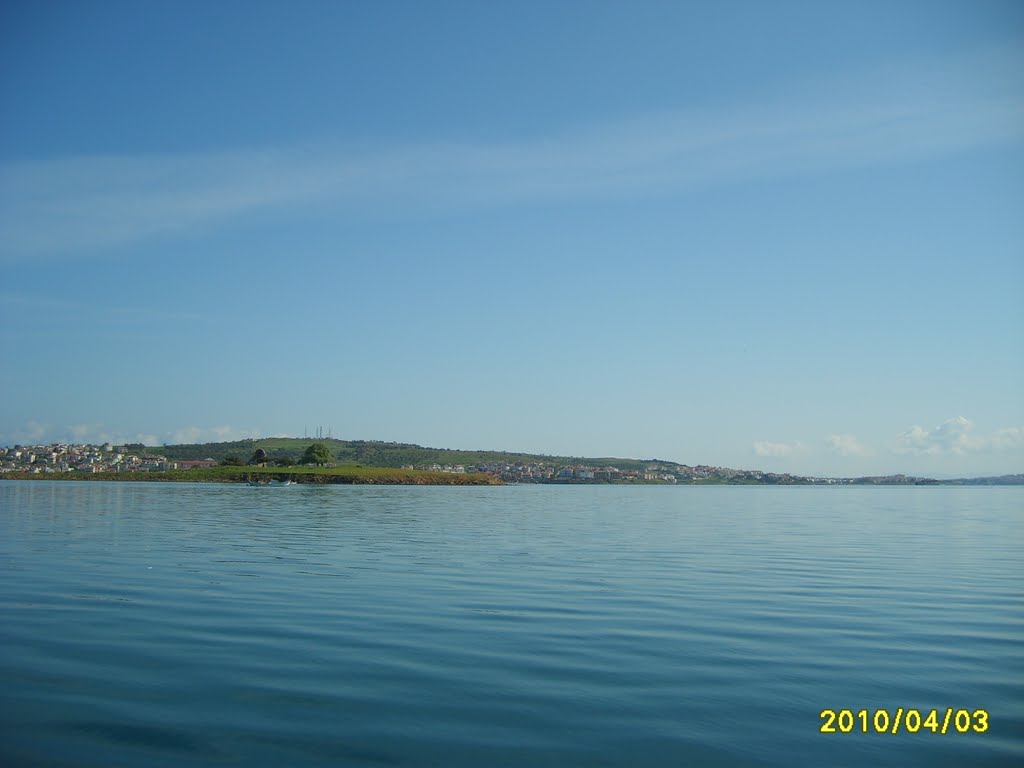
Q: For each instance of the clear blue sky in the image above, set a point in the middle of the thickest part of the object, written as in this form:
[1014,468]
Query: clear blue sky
[783,235]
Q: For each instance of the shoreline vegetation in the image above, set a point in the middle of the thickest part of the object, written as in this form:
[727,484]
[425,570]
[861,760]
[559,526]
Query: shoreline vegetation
[322,461]
[345,475]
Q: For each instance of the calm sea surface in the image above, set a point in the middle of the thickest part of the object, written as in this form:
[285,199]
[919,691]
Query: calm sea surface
[206,625]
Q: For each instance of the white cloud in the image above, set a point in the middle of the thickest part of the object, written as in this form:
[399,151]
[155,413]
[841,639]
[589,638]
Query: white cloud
[1007,439]
[30,433]
[219,434]
[97,434]
[35,433]
[80,431]
[775,450]
[846,445]
[954,437]
[84,203]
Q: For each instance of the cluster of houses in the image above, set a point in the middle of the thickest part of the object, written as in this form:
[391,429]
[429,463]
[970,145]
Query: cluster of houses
[654,472]
[543,472]
[452,469]
[69,457]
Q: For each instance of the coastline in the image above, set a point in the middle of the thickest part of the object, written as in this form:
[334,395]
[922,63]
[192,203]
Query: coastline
[299,475]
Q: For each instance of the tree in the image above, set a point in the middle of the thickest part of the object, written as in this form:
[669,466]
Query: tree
[231,461]
[317,453]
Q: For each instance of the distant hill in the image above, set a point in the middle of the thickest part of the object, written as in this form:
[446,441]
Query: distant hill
[376,453]
[999,480]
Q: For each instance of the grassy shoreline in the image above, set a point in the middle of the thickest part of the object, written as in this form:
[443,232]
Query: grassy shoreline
[343,475]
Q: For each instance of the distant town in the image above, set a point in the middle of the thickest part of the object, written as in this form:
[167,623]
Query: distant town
[88,459]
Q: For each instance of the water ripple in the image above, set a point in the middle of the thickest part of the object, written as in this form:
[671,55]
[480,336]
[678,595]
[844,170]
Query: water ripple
[208,625]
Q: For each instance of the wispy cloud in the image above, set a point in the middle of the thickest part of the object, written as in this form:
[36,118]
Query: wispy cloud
[955,437]
[767,449]
[39,433]
[951,441]
[68,205]
[30,432]
[97,433]
[846,445]
[1007,439]
[220,434]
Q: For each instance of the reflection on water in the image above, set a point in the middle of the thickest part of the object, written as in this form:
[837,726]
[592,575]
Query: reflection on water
[158,624]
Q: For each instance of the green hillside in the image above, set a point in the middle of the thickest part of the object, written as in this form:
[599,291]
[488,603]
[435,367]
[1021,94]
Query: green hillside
[376,453]
[347,475]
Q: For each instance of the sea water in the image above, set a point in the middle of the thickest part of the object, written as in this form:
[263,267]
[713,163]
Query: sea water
[151,624]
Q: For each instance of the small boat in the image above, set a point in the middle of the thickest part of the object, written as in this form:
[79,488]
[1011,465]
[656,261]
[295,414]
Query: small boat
[266,482]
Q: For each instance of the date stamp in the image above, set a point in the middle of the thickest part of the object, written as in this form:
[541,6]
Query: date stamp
[950,720]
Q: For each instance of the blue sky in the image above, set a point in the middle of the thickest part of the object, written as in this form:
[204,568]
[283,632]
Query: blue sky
[786,235]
